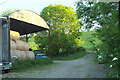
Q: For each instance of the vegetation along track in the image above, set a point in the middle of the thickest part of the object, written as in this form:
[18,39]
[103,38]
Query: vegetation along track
[85,67]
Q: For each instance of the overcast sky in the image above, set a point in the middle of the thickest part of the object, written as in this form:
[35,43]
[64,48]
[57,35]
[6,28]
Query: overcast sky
[34,5]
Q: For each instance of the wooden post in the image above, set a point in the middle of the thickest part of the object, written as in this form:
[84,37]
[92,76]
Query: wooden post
[50,46]
[9,52]
[26,38]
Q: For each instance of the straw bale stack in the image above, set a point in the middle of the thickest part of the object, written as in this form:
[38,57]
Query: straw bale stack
[19,48]
[13,45]
[22,46]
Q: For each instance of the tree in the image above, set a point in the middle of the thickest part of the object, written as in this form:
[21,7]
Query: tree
[64,27]
[60,17]
[104,14]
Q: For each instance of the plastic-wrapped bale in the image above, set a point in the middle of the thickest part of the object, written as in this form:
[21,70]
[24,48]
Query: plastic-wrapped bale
[22,46]
[29,54]
[14,35]
[13,45]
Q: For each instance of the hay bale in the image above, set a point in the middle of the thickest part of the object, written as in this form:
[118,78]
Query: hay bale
[14,35]
[29,54]
[22,55]
[19,54]
[33,55]
[12,53]
[13,57]
[13,45]
[15,53]
[22,46]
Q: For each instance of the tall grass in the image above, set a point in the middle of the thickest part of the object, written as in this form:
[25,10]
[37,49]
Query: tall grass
[20,66]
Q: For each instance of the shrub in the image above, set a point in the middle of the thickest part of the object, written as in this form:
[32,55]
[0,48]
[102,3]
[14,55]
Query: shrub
[61,43]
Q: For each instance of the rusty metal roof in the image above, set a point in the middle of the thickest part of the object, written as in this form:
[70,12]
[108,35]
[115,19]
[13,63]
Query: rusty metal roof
[26,21]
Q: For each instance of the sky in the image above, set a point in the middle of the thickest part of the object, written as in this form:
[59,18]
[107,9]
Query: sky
[34,5]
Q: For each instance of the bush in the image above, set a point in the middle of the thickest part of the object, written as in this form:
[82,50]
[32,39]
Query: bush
[80,49]
[61,43]
[71,56]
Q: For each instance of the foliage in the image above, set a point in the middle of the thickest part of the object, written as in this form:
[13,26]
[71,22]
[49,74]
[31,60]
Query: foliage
[71,56]
[33,45]
[7,12]
[64,27]
[61,43]
[104,14]
[91,40]
[31,42]
[23,38]
[60,17]
[19,66]
[79,42]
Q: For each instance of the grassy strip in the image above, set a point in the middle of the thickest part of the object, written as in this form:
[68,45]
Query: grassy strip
[72,57]
[30,64]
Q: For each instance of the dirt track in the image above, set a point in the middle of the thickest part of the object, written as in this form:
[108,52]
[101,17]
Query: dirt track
[79,68]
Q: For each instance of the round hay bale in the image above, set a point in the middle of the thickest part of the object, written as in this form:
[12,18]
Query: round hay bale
[12,53]
[22,55]
[14,35]
[29,54]
[33,55]
[22,46]
[13,45]
[15,53]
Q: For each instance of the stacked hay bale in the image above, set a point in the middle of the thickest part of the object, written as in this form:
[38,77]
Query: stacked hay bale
[19,48]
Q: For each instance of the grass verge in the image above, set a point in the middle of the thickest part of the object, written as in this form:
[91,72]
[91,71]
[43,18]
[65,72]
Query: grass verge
[71,57]
[30,64]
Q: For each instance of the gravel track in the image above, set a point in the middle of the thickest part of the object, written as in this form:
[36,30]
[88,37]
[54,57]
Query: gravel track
[84,67]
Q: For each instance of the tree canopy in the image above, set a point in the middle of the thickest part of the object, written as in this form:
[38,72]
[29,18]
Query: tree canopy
[60,17]
[106,15]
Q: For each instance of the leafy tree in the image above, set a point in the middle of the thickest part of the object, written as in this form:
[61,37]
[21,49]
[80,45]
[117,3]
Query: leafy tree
[60,17]
[104,14]
[64,27]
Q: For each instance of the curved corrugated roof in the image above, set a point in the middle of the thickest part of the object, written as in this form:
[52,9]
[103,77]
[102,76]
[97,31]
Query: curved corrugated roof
[26,21]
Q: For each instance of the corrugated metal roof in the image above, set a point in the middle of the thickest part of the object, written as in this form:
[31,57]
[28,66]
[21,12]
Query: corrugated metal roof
[26,21]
